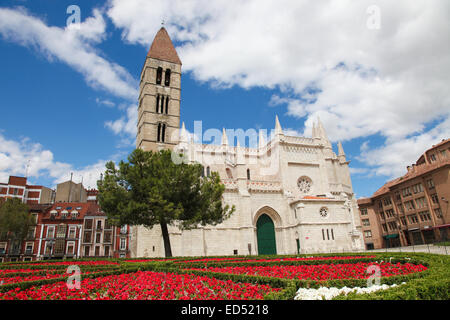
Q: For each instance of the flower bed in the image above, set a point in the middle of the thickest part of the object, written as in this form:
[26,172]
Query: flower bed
[321,272]
[246,260]
[145,285]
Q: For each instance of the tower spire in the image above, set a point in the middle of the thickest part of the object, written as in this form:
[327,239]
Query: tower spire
[261,141]
[162,48]
[224,138]
[278,129]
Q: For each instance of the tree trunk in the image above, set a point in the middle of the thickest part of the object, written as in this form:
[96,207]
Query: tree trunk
[166,239]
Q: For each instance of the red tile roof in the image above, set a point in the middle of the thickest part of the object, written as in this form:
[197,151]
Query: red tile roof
[162,48]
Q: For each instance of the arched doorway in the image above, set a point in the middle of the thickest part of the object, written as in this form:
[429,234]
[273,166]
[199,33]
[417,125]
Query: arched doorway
[265,233]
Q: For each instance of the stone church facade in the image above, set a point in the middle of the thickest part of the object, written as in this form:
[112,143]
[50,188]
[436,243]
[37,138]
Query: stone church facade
[292,194]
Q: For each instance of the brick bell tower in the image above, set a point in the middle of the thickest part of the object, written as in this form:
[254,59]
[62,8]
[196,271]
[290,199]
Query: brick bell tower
[159,96]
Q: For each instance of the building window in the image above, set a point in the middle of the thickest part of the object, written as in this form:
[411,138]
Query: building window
[159,72]
[332,234]
[248,174]
[3,248]
[70,248]
[438,212]
[167,78]
[403,220]
[323,212]
[434,198]
[304,184]
[98,237]
[87,236]
[59,246]
[123,243]
[328,235]
[384,226]
[432,157]
[409,205]
[72,232]
[157,103]
[50,232]
[368,234]
[430,183]
[161,132]
[97,251]
[123,229]
[366,222]
[392,225]
[413,219]
[88,224]
[167,106]
[421,202]
[323,234]
[87,250]
[61,233]
[107,237]
[31,232]
[99,225]
[106,251]
[363,211]
[425,216]
[29,248]
[48,248]
[208,171]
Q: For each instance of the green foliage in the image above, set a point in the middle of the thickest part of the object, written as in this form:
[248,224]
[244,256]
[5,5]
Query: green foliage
[15,218]
[152,189]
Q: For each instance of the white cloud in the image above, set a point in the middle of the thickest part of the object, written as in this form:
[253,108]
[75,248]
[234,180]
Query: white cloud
[15,156]
[390,82]
[105,102]
[126,125]
[72,46]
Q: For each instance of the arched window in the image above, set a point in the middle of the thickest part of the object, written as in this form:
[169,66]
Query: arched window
[163,132]
[248,174]
[229,174]
[159,72]
[159,133]
[208,171]
[167,78]
[157,103]
[161,109]
[167,105]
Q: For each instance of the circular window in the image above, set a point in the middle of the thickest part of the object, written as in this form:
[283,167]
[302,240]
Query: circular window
[304,184]
[323,212]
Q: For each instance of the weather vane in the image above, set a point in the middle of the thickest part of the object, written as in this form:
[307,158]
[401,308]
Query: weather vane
[162,22]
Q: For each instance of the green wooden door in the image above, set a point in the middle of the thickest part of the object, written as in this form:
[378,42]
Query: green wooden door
[265,232]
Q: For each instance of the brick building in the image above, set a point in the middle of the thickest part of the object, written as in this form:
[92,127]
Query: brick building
[17,187]
[67,230]
[412,209]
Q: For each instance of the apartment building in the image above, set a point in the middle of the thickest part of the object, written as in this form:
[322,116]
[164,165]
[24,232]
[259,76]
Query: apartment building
[412,209]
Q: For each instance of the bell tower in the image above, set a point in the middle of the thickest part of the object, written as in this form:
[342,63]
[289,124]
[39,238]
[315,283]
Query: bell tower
[159,96]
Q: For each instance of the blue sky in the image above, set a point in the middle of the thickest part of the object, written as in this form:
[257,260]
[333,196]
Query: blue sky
[68,97]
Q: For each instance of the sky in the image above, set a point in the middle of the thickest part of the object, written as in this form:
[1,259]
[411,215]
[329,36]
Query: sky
[377,73]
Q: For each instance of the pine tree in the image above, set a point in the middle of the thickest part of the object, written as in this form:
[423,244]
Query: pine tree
[152,189]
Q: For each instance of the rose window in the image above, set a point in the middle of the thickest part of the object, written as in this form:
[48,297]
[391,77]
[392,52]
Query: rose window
[323,212]
[304,184]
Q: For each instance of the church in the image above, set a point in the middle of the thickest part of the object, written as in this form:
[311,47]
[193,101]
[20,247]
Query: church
[292,194]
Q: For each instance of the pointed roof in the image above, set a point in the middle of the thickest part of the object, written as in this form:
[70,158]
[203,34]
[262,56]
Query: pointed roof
[162,48]
[184,137]
[340,149]
[261,141]
[278,129]
[224,137]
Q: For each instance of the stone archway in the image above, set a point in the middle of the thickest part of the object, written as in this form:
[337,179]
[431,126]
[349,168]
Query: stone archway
[265,234]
